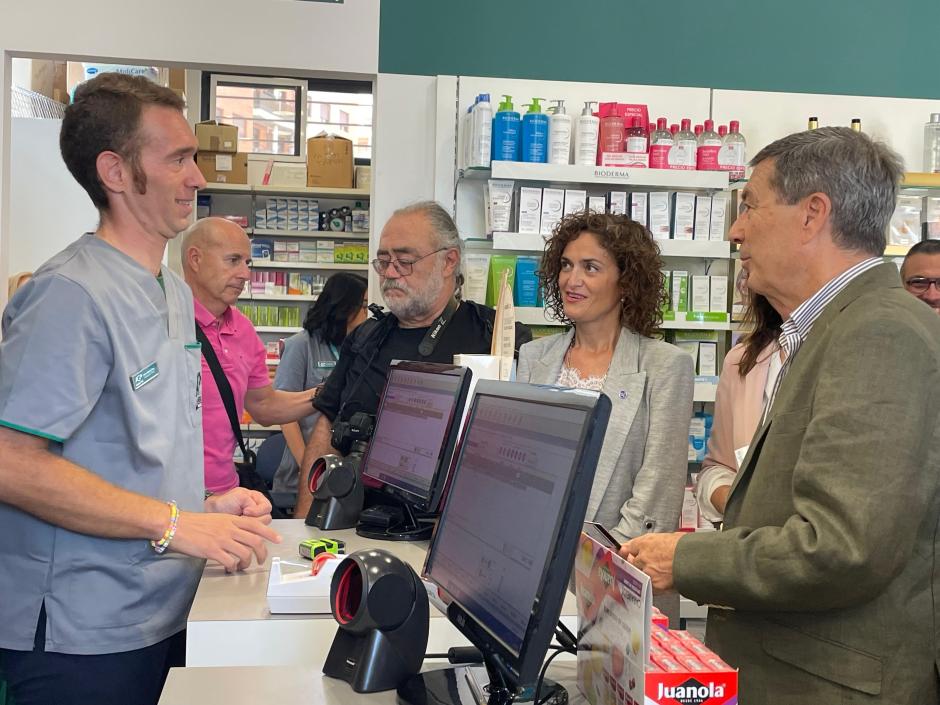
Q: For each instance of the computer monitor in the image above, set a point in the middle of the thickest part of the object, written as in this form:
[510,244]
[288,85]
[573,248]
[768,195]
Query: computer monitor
[412,447]
[505,543]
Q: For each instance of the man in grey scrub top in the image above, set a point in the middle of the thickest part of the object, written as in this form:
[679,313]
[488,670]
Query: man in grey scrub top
[100,425]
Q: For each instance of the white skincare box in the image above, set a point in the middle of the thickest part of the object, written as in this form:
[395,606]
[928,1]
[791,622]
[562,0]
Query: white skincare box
[597,204]
[683,209]
[617,203]
[700,290]
[719,220]
[575,201]
[718,298]
[553,203]
[708,359]
[659,220]
[703,217]
[530,209]
[639,208]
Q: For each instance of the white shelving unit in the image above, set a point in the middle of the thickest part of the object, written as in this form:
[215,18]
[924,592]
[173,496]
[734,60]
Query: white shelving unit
[341,266]
[277,329]
[537,316]
[671,179]
[317,234]
[533,242]
[277,297]
[346,193]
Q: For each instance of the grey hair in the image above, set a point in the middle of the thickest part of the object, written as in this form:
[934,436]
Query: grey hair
[444,229]
[859,175]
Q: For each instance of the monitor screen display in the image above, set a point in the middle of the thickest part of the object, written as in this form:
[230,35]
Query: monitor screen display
[503,511]
[412,427]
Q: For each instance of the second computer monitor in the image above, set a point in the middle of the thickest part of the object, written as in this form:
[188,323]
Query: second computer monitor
[416,429]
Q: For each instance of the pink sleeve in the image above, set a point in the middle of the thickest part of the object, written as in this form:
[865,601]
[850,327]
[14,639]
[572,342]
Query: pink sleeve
[728,397]
[258,376]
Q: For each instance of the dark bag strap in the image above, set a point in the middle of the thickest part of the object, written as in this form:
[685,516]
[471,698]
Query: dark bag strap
[225,391]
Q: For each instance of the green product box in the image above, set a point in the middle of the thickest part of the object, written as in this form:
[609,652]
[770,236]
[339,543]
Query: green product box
[283,318]
[498,265]
[295,317]
[698,336]
[680,291]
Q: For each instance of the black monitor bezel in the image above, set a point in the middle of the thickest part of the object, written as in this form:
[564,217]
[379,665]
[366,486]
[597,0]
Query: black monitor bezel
[426,504]
[524,667]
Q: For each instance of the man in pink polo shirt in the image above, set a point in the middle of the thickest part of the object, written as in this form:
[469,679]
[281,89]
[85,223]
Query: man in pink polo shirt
[216,254]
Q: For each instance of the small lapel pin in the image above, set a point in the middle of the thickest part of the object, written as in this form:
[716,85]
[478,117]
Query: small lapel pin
[623,394]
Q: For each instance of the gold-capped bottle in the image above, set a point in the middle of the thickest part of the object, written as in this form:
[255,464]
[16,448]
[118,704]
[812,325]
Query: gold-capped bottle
[813,123]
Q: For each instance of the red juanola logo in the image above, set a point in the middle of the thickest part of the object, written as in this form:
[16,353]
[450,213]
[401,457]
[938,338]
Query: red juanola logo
[691,692]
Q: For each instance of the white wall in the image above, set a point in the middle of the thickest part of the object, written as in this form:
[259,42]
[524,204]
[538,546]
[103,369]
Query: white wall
[49,209]
[767,116]
[281,36]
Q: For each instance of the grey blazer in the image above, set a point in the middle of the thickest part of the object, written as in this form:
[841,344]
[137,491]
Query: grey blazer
[641,473]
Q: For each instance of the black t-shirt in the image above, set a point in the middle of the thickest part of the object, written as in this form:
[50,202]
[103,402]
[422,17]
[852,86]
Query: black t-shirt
[470,331]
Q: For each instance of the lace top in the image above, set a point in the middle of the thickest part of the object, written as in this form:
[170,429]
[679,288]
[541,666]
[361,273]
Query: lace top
[570,377]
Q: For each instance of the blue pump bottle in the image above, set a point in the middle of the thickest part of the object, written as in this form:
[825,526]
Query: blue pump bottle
[535,134]
[507,132]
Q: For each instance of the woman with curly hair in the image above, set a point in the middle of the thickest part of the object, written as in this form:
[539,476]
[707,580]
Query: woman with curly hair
[602,275]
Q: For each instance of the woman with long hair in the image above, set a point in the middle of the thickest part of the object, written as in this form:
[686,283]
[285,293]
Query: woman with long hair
[309,357]
[747,379]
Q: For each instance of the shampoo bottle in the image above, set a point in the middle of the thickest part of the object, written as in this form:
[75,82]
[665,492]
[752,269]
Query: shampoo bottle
[585,137]
[535,133]
[559,134]
[482,132]
[507,132]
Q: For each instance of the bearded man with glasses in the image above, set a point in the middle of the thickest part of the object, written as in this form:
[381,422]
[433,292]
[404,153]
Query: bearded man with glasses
[418,263]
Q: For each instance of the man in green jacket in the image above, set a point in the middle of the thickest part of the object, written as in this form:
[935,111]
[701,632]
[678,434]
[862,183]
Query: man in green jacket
[824,579]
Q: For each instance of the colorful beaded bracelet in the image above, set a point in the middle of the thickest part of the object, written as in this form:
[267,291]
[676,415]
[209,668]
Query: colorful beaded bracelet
[161,545]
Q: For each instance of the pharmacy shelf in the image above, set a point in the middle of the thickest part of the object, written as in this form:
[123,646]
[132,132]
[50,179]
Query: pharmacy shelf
[920,180]
[698,325]
[277,329]
[704,390]
[266,264]
[708,249]
[536,316]
[258,427]
[897,250]
[319,234]
[323,192]
[277,297]
[672,179]
[533,242]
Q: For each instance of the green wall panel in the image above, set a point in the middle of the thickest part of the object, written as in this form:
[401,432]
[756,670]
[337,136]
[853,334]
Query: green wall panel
[865,47]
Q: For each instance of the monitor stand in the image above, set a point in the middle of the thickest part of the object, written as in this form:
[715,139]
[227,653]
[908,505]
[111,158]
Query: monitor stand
[394,523]
[469,685]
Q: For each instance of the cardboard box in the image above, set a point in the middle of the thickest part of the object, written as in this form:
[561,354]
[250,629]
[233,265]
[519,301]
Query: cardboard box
[639,202]
[597,204]
[617,202]
[575,201]
[223,167]
[329,161]
[214,136]
[721,202]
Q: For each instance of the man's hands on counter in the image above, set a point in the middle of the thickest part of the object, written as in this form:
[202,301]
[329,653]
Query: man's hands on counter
[233,528]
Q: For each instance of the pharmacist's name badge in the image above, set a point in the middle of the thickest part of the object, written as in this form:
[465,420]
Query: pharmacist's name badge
[326,364]
[144,376]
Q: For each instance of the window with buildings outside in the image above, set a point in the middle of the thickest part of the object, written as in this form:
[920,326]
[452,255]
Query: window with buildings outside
[267,115]
[346,114]
[269,112]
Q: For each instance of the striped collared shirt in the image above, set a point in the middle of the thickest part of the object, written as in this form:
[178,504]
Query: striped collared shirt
[796,328]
